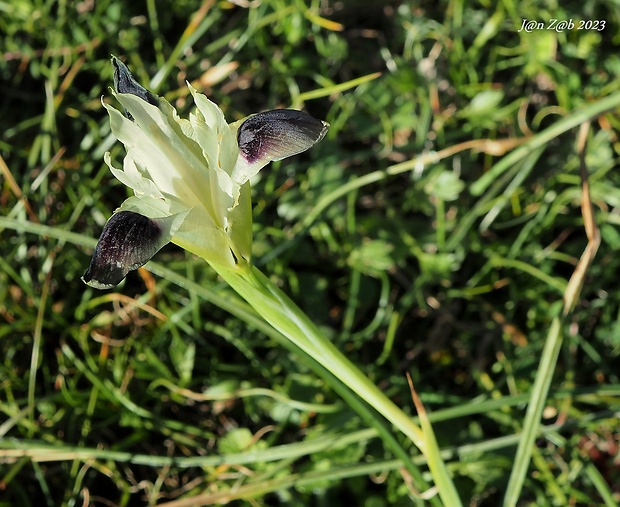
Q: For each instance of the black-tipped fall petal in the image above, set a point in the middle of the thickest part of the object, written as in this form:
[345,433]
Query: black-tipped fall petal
[128,241]
[277,134]
[124,82]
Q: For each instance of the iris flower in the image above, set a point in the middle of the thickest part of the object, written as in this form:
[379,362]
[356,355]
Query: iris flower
[190,178]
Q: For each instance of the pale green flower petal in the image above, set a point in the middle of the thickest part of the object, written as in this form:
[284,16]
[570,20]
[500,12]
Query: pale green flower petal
[221,146]
[199,236]
[205,137]
[131,177]
[212,114]
[218,142]
[240,229]
[151,207]
[172,160]
[221,188]
[228,151]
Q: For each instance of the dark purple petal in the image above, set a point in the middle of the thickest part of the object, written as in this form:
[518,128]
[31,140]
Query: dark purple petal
[277,134]
[124,82]
[127,242]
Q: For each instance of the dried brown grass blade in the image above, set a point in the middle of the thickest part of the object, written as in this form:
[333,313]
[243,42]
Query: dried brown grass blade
[575,284]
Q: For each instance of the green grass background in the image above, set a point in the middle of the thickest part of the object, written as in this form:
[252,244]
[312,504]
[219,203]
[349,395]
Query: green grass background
[412,251]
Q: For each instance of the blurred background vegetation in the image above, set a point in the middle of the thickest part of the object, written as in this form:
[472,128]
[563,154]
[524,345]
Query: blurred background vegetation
[168,387]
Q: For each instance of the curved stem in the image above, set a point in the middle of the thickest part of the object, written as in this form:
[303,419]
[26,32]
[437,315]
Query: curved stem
[282,313]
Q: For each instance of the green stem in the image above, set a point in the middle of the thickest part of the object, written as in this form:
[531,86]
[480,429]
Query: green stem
[349,314]
[441,225]
[531,424]
[277,309]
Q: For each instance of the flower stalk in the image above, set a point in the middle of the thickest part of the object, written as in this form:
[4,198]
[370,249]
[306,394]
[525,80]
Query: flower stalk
[286,317]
